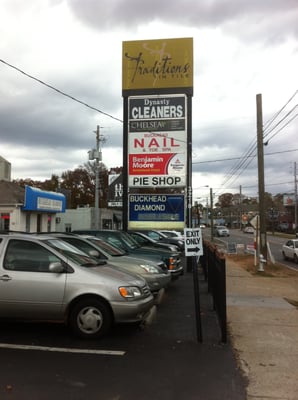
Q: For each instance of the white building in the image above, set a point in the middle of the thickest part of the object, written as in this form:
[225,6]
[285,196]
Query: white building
[28,209]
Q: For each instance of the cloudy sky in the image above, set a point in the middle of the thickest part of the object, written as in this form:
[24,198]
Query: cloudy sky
[241,48]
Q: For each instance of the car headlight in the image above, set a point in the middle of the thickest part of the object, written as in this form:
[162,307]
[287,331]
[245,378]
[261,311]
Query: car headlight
[180,242]
[130,292]
[151,269]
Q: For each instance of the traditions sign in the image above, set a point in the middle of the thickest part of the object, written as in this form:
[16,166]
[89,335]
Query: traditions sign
[157,64]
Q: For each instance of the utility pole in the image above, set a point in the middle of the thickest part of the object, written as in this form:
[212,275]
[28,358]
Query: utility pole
[211,214]
[262,219]
[96,154]
[240,207]
[295,186]
[98,157]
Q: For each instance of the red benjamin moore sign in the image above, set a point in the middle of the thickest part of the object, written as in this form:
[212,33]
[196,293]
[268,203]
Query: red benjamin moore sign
[161,164]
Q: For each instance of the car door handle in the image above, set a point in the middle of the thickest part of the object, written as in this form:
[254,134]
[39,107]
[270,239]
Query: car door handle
[5,278]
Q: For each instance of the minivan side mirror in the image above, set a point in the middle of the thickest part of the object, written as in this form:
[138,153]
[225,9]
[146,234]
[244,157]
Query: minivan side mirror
[94,253]
[56,267]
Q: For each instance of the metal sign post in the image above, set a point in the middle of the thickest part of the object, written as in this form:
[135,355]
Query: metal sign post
[194,249]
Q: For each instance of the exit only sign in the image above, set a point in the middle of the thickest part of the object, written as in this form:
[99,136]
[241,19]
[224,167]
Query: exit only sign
[193,242]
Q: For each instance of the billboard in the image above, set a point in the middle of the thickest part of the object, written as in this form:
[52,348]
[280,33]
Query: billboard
[157,140]
[157,64]
[289,199]
[158,210]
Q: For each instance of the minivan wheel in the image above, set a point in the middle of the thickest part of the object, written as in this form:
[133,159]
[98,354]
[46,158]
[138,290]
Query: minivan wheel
[90,318]
[296,258]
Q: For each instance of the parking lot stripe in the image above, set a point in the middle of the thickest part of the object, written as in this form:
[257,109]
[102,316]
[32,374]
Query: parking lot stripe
[62,349]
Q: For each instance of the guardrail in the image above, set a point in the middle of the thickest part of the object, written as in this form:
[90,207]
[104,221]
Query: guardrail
[214,268]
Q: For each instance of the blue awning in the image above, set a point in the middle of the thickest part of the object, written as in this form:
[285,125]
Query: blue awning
[40,200]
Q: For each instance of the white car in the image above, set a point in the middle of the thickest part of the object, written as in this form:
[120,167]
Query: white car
[290,250]
[221,231]
[248,229]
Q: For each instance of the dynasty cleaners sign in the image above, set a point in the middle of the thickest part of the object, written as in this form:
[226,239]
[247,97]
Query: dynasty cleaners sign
[157,140]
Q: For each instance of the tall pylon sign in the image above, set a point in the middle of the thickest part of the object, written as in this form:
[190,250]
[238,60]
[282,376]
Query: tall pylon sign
[157,87]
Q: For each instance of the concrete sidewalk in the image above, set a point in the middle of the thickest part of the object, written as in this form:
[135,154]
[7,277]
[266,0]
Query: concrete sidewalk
[263,326]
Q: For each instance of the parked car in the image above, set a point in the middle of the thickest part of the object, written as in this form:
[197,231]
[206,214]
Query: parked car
[248,229]
[44,278]
[123,240]
[154,274]
[172,233]
[145,240]
[290,250]
[163,238]
[283,227]
[221,230]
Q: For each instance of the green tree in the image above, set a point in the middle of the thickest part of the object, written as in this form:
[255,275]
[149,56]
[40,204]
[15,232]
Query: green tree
[81,187]
[225,200]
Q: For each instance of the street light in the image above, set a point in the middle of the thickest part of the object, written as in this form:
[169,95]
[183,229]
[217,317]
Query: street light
[197,212]
[196,203]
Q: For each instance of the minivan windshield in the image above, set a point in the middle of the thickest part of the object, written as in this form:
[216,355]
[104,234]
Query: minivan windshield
[107,247]
[72,253]
[119,239]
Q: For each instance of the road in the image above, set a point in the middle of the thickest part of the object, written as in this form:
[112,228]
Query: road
[239,238]
[163,361]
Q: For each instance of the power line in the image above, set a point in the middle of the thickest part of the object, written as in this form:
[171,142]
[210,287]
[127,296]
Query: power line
[280,121]
[287,123]
[239,158]
[60,91]
[277,114]
[248,156]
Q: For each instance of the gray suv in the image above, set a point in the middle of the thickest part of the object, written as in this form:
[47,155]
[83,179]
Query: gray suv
[41,278]
[126,242]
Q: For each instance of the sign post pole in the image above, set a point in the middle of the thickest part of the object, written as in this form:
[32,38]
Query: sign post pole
[194,249]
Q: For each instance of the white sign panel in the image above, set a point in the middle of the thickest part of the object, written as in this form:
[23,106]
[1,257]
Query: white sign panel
[156,181]
[157,140]
[193,242]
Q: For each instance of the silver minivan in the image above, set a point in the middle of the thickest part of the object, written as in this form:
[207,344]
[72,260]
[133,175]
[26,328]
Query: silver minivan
[42,281]
[156,276]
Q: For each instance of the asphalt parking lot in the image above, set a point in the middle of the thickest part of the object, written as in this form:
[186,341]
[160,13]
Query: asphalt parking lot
[162,361]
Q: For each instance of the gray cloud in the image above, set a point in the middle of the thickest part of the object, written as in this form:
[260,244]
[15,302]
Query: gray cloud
[275,20]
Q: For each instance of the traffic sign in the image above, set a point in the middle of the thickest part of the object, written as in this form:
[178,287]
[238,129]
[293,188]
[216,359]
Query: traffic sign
[254,221]
[193,242]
